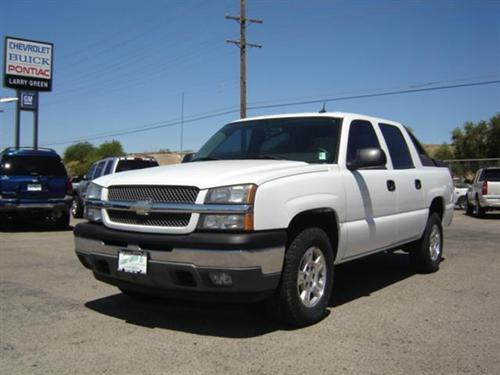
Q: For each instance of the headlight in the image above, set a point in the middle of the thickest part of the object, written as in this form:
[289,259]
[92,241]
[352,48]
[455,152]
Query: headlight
[94,214]
[242,194]
[237,194]
[94,191]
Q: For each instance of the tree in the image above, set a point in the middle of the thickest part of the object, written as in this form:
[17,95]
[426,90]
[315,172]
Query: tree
[78,151]
[493,142]
[80,156]
[471,141]
[107,149]
[443,152]
[476,141]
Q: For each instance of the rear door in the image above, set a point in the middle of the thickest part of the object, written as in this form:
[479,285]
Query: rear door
[409,186]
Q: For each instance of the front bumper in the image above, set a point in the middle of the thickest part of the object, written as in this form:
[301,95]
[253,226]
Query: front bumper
[30,205]
[180,265]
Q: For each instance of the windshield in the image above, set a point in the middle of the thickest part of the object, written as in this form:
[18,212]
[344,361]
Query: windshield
[128,165]
[312,140]
[32,166]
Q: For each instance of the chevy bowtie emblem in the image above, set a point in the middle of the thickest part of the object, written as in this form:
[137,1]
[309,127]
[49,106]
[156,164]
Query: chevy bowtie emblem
[142,208]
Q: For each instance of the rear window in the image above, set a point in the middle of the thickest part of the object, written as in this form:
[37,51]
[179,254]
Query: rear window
[398,149]
[491,175]
[128,165]
[32,165]
[422,154]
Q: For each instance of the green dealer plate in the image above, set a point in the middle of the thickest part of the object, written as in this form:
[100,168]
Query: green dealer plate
[132,261]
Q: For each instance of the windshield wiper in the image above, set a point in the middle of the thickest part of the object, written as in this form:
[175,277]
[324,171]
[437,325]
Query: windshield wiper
[272,156]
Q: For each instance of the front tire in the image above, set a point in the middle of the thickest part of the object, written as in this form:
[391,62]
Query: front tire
[77,208]
[307,280]
[427,253]
[461,202]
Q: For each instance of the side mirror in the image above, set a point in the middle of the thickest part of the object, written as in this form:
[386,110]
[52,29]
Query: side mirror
[371,157]
[188,157]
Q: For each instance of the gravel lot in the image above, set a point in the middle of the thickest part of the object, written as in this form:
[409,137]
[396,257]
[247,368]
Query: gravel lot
[55,318]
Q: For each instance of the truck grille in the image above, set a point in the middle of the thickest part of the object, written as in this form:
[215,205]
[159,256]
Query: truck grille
[158,194]
[153,219]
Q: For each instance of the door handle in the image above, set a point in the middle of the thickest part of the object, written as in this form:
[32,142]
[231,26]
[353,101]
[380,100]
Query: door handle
[418,184]
[391,185]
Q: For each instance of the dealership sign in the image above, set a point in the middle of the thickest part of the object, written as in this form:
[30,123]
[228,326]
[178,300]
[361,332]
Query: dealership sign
[28,64]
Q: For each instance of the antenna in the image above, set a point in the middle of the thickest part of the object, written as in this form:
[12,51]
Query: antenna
[323,110]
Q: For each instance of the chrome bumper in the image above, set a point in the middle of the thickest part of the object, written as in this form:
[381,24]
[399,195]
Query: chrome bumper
[269,260]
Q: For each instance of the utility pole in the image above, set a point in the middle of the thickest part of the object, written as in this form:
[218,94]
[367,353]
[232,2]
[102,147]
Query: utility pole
[182,123]
[242,44]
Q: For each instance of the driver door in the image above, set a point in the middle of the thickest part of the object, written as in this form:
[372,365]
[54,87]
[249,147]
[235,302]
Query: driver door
[371,197]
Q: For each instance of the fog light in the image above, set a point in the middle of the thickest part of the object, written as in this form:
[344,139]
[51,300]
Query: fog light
[221,278]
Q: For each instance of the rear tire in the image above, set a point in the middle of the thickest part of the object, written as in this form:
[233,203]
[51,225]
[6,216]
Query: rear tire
[77,207]
[469,209]
[62,222]
[307,280]
[427,252]
[478,210]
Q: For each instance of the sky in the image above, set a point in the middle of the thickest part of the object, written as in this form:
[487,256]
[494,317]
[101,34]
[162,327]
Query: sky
[122,66]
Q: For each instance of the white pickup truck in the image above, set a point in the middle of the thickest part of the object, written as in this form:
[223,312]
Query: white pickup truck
[484,193]
[266,209]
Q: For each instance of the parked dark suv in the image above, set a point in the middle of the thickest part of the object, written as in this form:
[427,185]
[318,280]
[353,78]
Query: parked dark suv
[114,164]
[34,184]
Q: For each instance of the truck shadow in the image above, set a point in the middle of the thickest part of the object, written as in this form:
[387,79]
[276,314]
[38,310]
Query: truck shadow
[201,318]
[362,277]
[488,216]
[20,226]
[353,280]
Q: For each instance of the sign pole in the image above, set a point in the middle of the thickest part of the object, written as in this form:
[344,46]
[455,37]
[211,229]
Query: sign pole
[18,119]
[35,125]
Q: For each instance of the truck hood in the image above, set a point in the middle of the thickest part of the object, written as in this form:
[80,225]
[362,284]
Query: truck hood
[208,174]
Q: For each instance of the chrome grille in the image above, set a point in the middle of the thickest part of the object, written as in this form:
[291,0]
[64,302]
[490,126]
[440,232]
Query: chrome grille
[158,194]
[153,219]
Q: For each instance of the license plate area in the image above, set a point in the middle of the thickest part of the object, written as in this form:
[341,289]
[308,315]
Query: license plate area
[34,187]
[132,261]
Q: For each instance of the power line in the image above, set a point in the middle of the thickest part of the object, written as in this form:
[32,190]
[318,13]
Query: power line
[388,93]
[201,117]
[165,125]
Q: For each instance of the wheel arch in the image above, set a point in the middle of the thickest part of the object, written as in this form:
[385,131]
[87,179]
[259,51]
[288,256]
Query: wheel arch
[324,218]
[437,206]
